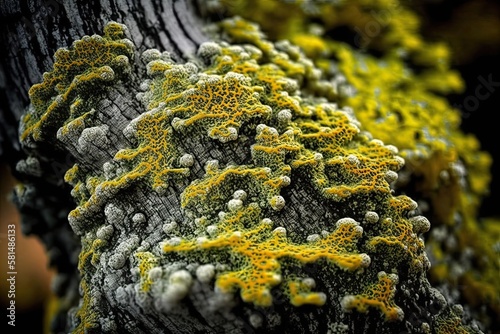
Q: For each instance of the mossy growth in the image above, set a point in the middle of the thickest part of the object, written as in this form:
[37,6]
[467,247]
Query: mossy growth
[298,130]
[67,92]
[399,96]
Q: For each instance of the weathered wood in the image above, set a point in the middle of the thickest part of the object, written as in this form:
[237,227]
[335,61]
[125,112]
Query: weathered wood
[114,226]
[31,32]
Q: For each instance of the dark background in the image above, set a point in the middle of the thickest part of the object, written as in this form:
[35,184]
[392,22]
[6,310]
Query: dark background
[472,29]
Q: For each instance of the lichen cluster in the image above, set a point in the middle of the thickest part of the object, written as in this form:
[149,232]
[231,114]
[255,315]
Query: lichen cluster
[67,90]
[240,170]
[398,96]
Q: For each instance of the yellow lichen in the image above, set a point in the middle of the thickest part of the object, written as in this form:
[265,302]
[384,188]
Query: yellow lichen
[88,257]
[379,295]
[216,184]
[157,154]
[268,94]
[257,249]
[89,320]
[400,106]
[147,261]
[300,295]
[65,91]
[318,141]
[450,322]
[302,122]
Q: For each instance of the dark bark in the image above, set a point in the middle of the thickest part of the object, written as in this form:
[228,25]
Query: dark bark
[32,32]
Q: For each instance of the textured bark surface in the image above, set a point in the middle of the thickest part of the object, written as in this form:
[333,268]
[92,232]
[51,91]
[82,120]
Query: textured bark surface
[138,215]
[32,31]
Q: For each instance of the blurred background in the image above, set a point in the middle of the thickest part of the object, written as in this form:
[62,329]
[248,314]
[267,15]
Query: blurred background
[471,28]
[33,277]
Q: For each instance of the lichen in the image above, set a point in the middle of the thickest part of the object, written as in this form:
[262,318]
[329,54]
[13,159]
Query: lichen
[67,91]
[399,97]
[256,250]
[250,164]
[147,261]
[379,295]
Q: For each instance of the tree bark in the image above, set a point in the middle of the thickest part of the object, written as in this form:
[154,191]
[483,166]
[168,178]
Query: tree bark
[94,254]
[32,31]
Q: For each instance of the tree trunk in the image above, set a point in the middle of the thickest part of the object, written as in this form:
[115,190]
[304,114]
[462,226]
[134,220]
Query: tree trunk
[32,31]
[126,257]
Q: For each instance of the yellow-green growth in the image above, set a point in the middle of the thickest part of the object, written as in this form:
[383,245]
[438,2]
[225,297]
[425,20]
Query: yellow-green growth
[66,92]
[89,319]
[402,107]
[217,183]
[299,291]
[482,281]
[318,141]
[379,295]
[147,261]
[397,238]
[157,155]
[219,104]
[340,163]
[90,253]
[256,249]
[449,322]
[89,257]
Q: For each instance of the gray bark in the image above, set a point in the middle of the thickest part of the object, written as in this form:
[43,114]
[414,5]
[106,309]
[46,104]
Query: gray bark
[32,33]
